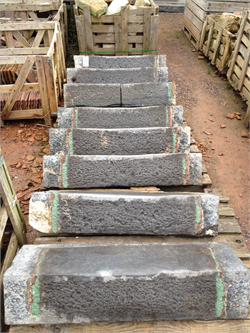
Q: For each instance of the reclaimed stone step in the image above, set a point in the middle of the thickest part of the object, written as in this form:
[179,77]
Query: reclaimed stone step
[149,116]
[58,284]
[148,94]
[110,213]
[124,171]
[129,141]
[120,62]
[118,75]
[127,95]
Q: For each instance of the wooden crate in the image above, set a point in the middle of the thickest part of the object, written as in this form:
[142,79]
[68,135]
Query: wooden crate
[130,32]
[217,43]
[239,71]
[45,56]
[196,11]
[37,13]
[12,229]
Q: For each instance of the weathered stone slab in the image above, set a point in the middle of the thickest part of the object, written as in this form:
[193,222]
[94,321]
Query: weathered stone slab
[110,213]
[118,75]
[128,141]
[130,170]
[120,62]
[53,284]
[82,94]
[148,94]
[153,116]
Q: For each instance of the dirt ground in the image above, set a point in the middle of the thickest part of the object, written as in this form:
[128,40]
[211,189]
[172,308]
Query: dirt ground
[206,97]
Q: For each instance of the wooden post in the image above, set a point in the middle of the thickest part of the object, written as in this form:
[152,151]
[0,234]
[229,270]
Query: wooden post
[51,84]
[118,33]
[88,29]
[80,24]
[43,90]
[217,44]
[146,28]
[124,30]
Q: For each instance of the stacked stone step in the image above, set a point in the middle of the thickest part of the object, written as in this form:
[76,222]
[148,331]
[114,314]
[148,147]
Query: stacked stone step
[120,133]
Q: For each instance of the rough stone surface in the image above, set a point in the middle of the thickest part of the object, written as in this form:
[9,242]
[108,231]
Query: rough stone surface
[53,284]
[120,62]
[97,7]
[110,213]
[130,170]
[172,8]
[147,94]
[118,75]
[153,116]
[137,141]
[92,94]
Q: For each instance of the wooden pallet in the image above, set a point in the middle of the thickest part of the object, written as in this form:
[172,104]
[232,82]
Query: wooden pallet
[12,229]
[216,43]
[133,31]
[45,56]
[229,232]
[239,70]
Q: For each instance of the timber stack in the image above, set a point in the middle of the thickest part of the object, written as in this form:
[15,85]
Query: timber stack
[123,132]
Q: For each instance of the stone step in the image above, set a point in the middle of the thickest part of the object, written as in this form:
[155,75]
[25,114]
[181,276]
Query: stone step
[129,141]
[58,284]
[113,212]
[122,171]
[119,75]
[120,62]
[149,116]
[128,95]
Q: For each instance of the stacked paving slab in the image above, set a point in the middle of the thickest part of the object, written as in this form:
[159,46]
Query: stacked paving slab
[120,128]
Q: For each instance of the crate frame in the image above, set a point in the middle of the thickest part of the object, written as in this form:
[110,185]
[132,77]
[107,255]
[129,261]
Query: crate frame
[118,31]
[239,71]
[207,50]
[49,61]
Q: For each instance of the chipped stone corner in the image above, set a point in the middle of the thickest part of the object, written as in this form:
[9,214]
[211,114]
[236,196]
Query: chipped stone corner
[39,212]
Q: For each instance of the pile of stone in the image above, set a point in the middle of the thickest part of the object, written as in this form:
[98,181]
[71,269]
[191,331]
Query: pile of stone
[122,132]
[101,7]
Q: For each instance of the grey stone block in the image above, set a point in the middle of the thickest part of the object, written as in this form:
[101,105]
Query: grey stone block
[148,94]
[129,141]
[153,116]
[118,75]
[120,62]
[129,170]
[172,8]
[112,213]
[92,94]
[58,284]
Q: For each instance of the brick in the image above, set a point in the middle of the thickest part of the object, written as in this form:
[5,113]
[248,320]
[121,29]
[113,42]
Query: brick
[131,170]
[113,213]
[58,284]
[137,141]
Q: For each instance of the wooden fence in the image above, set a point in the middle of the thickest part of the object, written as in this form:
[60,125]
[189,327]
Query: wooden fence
[129,32]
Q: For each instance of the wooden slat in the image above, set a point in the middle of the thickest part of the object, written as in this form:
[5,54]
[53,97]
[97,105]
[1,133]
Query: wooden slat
[51,85]
[33,16]
[195,9]
[192,28]
[221,193]
[26,114]
[245,67]
[118,33]
[194,19]
[236,242]
[22,51]
[31,7]
[11,204]
[80,34]
[88,29]
[221,326]
[217,45]
[43,90]
[146,29]
[3,220]
[228,225]
[7,88]
[17,87]
[226,210]
[225,54]
[17,26]
[125,30]
[210,34]
[9,39]
[38,38]
[154,33]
